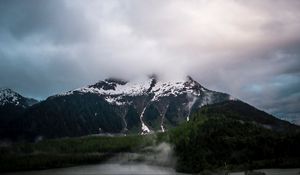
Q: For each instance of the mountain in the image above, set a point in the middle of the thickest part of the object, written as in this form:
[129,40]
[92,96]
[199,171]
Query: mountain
[117,106]
[9,97]
[237,135]
[12,107]
[150,104]
[296,122]
[242,111]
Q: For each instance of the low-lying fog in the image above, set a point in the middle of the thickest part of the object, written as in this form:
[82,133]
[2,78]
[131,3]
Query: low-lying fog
[152,160]
[106,168]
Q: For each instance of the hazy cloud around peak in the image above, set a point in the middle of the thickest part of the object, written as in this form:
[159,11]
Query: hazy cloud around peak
[248,49]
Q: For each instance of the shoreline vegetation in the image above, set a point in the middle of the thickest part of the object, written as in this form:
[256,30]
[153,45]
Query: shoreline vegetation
[66,152]
[208,142]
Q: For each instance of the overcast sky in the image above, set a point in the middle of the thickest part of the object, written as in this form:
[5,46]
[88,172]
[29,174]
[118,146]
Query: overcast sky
[250,49]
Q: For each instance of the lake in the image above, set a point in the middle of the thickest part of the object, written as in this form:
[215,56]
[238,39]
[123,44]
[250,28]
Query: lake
[134,169]
[275,172]
[107,168]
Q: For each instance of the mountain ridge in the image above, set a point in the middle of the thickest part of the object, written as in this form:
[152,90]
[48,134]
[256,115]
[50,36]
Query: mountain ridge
[10,97]
[115,106]
[120,92]
[116,87]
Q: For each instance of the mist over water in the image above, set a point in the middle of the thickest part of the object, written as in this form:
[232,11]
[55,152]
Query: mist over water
[158,160]
[152,160]
[107,168]
[135,169]
[160,155]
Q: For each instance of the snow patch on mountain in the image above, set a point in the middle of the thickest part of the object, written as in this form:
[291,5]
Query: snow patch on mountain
[153,91]
[114,91]
[145,129]
[192,100]
[114,100]
[232,98]
[162,89]
[7,96]
[130,88]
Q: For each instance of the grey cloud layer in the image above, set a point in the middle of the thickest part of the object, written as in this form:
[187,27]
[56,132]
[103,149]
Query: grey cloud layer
[248,49]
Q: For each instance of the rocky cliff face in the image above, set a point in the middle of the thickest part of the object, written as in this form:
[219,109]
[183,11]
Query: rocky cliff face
[139,106]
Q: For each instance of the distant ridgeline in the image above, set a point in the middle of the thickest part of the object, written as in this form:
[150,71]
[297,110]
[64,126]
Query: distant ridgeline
[119,107]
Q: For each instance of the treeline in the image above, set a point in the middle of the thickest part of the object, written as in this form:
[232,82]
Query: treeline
[68,151]
[225,136]
[219,141]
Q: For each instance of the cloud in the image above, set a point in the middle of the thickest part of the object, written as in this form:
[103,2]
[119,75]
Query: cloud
[248,49]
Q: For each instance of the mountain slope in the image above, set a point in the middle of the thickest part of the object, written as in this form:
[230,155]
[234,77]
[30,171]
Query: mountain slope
[217,140]
[12,107]
[118,106]
[241,111]
[10,97]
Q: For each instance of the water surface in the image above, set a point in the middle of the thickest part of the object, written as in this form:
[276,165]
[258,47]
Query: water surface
[134,169]
[107,168]
[275,172]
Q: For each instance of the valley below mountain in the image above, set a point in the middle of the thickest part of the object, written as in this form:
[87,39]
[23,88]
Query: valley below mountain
[179,125]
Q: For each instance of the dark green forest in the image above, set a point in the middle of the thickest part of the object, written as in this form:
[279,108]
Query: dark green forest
[218,137]
[223,140]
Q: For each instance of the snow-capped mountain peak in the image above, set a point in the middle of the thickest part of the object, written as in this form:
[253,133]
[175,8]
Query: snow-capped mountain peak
[10,97]
[114,89]
[151,94]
